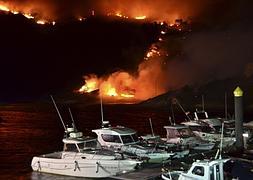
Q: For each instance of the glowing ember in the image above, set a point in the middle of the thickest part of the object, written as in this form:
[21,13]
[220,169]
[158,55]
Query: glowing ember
[4,8]
[15,12]
[28,16]
[121,15]
[81,19]
[42,22]
[153,51]
[117,14]
[140,17]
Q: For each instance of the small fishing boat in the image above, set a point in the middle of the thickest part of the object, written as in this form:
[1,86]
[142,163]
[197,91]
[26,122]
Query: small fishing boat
[82,157]
[126,140]
[200,170]
[206,133]
[182,135]
[152,140]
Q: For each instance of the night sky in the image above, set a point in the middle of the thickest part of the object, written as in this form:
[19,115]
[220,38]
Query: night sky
[37,60]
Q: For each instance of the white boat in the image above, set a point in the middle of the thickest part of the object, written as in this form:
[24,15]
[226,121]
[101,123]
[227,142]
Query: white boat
[206,133]
[82,157]
[182,135]
[200,170]
[126,140]
[158,143]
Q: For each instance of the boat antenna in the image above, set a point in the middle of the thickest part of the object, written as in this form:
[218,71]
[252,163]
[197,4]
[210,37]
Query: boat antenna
[72,119]
[226,107]
[102,112]
[58,112]
[151,126]
[173,115]
[181,107]
[203,102]
[221,138]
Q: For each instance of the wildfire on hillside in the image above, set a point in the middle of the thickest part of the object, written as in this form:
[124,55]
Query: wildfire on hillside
[147,82]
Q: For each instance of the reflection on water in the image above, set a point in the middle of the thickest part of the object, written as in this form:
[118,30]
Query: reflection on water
[45,176]
[29,130]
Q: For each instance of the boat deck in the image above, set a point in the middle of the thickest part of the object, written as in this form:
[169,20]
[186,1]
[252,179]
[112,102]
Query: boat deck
[55,155]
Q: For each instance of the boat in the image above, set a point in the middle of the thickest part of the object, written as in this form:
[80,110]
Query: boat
[200,170]
[211,169]
[182,135]
[124,139]
[83,157]
[203,130]
[155,141]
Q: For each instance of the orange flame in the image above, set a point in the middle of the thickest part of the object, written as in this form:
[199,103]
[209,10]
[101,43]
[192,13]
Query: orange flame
[148,82]
[42,22]
[91,84]
[4,8]
[140,17]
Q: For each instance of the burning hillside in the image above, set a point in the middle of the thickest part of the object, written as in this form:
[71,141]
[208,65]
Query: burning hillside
[148,81]
[98,49]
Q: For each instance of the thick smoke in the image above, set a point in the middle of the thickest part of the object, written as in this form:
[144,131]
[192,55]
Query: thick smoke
[212,55]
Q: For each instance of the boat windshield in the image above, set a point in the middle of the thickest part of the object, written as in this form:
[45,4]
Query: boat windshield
[93,144]
[205,129]
[185,133]
[131,138]
[200,115]
[111,138]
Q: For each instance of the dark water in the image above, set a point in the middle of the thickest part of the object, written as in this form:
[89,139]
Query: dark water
[27,130]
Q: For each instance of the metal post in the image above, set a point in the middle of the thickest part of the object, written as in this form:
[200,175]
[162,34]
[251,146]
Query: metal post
[238,94]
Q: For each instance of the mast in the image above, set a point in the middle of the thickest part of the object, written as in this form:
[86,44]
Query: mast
[221,139]
[102,113]
[72,119]
[226,107]
[173,115]
[59,114]
[151,126]
[181,107]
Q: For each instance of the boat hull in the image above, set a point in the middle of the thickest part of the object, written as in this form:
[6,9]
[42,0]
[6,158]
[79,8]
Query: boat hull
[82,167]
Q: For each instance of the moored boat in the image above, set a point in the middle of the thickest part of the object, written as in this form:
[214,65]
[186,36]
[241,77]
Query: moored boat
[182,135]
[82,157]
[126,140]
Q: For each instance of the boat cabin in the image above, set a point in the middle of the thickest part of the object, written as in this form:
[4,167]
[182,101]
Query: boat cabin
[80,144]
[179,134]
[206,170]
[198,126]
[214,123]
[116,136]
[178,131]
